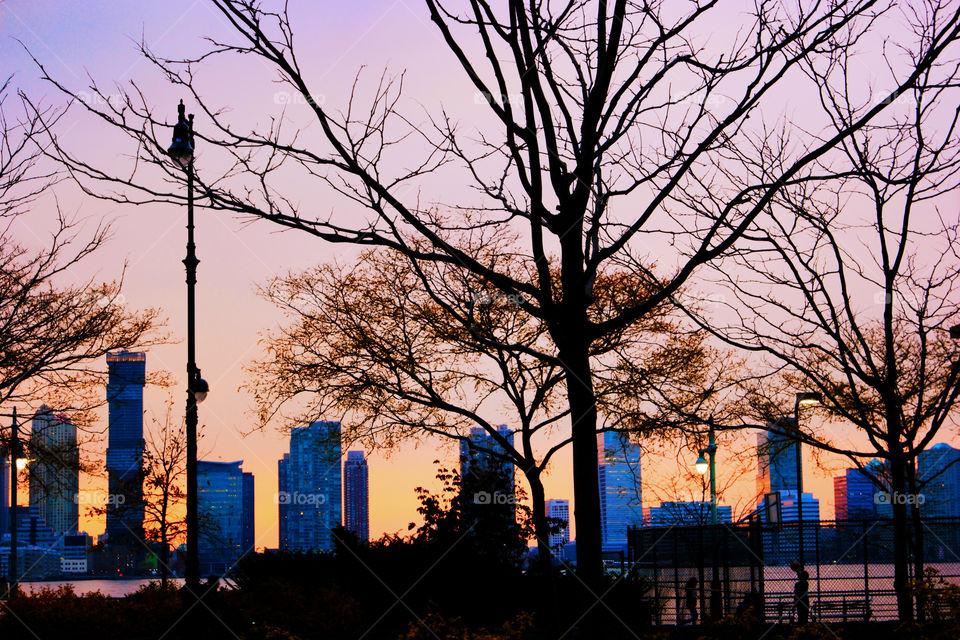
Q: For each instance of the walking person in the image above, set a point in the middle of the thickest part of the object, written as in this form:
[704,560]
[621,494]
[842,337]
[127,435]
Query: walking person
[801,593]
[691,599]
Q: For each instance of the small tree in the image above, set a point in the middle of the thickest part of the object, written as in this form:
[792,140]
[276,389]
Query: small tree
[164,494]
[405,362]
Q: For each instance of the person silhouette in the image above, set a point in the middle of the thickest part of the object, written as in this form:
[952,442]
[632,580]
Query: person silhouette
[801,592]
[691,599]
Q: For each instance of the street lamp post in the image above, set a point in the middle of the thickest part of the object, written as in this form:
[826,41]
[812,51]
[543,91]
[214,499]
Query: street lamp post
[181,150]
[703,466]
[14,451]
[803,399]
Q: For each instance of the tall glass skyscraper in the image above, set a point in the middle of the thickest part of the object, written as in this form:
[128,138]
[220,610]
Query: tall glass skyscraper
[225,506]
[283,504]
[127,371]
[249,539]
[939,468]
[777,460]
[559,510]
[480,448]
[620,493]
[853,496]
[55,472]
[356,495]
[310,487]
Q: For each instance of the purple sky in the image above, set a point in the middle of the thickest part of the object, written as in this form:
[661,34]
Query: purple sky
[74,39]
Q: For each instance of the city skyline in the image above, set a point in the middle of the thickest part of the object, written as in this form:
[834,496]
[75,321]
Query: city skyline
[148,239]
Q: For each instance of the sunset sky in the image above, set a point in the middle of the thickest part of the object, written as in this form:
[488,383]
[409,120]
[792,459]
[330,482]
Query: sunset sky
[98,39]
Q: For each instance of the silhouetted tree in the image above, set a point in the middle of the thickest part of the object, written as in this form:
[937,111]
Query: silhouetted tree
[600,121]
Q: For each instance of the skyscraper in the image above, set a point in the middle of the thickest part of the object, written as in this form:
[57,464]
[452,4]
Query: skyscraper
[283,504]
[248,540]
[312,490]
[938,469]
[853,496]
[559,510]
[225,510]
[620,494]
[481,449]
[356,495]
[777,459]
[55,472]
[125,445]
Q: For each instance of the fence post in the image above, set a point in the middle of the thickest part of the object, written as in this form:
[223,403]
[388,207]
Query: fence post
[700,572]
[677,594]
[866,563]
[816,539]
[656,583]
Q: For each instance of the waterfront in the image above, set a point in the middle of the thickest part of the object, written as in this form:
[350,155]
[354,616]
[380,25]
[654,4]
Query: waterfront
[110,587]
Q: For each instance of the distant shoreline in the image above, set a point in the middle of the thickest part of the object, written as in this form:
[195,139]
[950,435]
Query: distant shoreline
[85,577]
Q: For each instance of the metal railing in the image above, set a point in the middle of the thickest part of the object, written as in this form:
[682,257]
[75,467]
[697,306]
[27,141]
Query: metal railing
[850,564]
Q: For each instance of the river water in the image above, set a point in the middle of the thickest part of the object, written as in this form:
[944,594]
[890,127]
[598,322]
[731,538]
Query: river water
[113,588]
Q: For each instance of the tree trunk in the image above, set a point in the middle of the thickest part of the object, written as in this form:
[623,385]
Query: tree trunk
[540,527]
[164,559]
[901,583]
[586,484]
[917,522]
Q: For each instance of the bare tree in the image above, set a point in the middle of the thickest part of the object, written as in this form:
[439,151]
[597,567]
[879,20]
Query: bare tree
[164,493]
[848,286]
[369,341]
[53,333]
[600,115]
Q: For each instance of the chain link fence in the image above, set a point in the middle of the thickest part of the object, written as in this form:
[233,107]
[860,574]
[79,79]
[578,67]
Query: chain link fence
[850,564]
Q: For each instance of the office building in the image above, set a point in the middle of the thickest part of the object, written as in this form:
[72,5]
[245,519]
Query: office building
[620,494]
[125,445]
[480,450]
[38,547]
[356,495]
[686,513]
[224,505]
[777,459]
[854,496]
[283,504]
[938,470]
[559,510]
[311,487]
[248,540]
[55,471]
[75,553]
